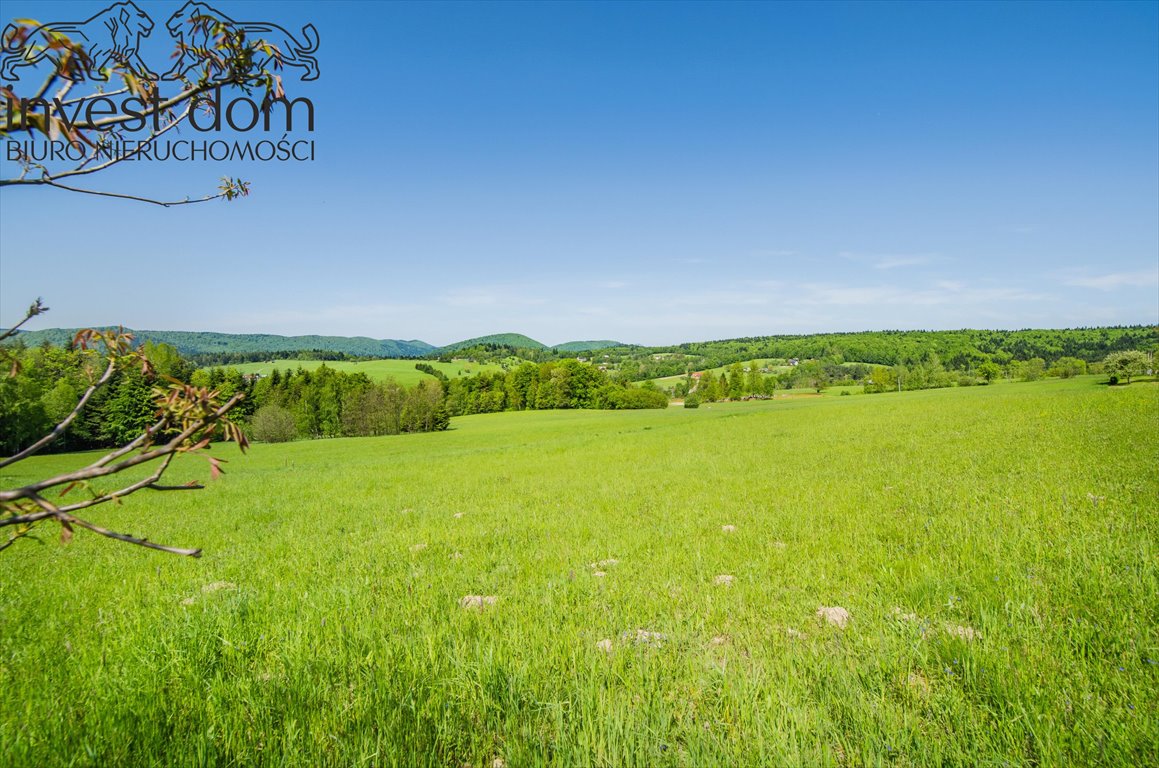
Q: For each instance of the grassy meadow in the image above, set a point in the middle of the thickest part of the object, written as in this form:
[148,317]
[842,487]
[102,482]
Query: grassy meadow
[995,549]
[402,371]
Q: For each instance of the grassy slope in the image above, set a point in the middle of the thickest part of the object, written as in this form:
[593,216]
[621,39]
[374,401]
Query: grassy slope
[402,371]
[343,642]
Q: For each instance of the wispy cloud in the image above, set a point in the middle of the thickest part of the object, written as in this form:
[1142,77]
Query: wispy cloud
[892,260]
[1143,278]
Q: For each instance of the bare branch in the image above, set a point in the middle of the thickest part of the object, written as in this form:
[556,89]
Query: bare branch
[153,135]
[162,203]
[31,517]
[44,88]
[94,95]
[37,308]
[148,482]
[133,539]
[64,517]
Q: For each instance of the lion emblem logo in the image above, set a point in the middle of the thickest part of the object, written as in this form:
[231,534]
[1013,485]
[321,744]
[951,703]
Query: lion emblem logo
[192,27]
[112,36]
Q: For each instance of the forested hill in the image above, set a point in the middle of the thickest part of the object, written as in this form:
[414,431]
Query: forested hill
[511,340]
[199,343]
[224,347]
[585,346]
[960,349]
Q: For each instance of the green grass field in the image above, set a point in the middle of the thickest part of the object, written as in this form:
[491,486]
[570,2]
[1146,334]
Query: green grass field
[995,547]
[668,382]
[402,371]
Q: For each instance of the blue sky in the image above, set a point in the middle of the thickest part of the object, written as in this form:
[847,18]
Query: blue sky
[646,172]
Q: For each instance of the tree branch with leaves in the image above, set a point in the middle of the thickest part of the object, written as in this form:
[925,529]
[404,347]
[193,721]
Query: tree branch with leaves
[186,421]
[227,59]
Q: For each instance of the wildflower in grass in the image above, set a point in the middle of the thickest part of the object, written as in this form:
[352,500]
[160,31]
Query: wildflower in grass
[477,602]
[794,634]
[963,632]
[601,564]
[918,683]
[643,636]
[456,555]
[599,574]
[457,515]
[835,615]
[728,528]
[418,547]
[719,640]
[605,645]
[210,588]
[779,545]
[723,580]
[904,616]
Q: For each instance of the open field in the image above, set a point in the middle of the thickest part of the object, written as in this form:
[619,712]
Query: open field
[668,382]
[402,371]
[995,548]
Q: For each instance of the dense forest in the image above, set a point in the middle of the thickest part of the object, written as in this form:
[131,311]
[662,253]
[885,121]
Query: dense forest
[962,350]
[284,406]
[561,384]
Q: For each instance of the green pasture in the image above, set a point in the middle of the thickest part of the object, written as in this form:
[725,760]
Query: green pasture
[666,382]
[402,371]
[995,548]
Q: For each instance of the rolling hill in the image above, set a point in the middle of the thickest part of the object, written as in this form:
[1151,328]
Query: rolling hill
[201,342]
[585,346]
[514,340]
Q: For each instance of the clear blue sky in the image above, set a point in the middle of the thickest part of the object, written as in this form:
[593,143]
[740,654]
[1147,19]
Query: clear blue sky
[650,173]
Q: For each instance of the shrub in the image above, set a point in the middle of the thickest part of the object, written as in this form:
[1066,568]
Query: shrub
[692,401]
[274,424]
[633,398]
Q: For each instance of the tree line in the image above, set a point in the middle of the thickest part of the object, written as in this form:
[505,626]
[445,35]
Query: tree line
[962,350]
[286,405]
[565,383]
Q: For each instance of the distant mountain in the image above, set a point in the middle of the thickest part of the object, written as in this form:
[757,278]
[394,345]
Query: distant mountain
[202,342]
[515,340]
[585,346]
